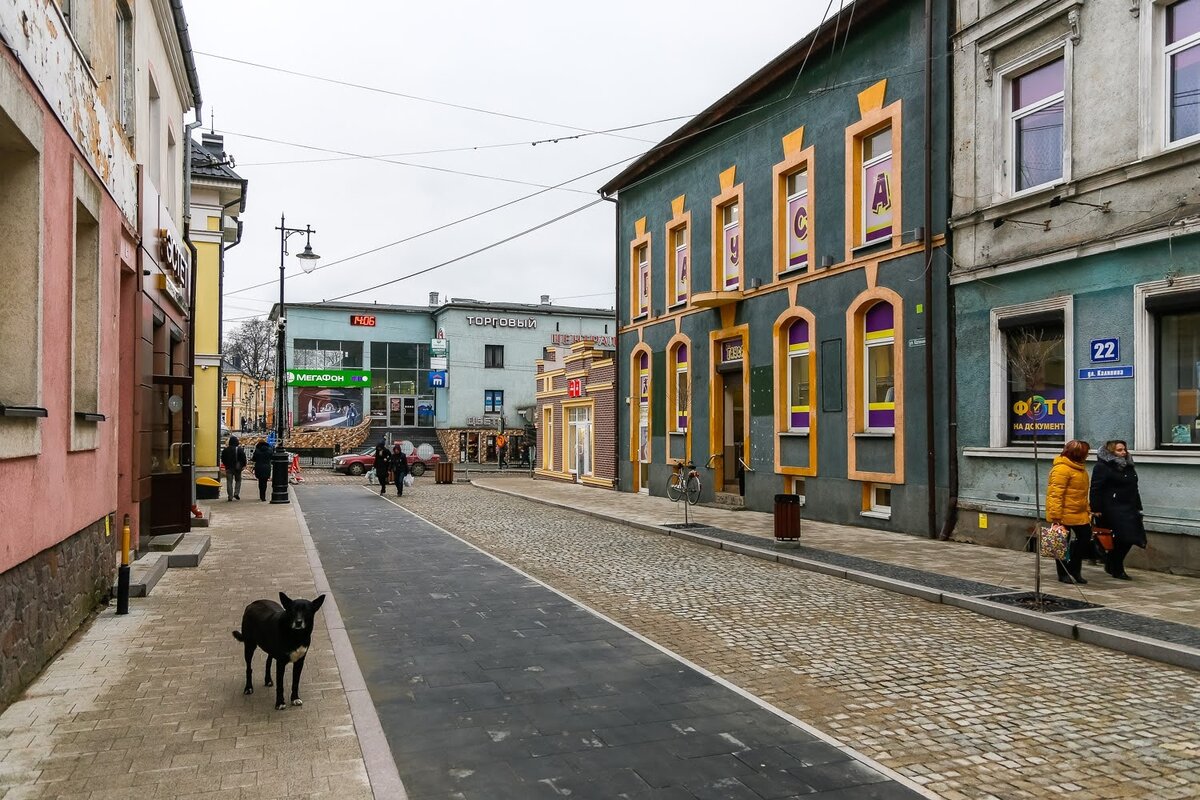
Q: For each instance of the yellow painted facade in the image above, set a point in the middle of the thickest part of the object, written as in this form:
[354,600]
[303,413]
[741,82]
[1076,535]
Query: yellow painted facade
[208,319]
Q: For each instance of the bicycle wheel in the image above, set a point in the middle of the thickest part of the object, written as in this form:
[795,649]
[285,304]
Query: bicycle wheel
[674,490]
[693,489]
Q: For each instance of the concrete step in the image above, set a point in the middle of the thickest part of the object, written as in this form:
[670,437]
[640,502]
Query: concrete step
[728,500]
[165,543]
[190,551]
[144,574]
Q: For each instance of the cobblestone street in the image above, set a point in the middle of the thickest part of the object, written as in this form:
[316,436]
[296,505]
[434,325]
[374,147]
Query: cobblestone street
[968,706]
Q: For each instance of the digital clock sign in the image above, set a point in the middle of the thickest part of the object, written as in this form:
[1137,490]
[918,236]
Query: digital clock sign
[364,320]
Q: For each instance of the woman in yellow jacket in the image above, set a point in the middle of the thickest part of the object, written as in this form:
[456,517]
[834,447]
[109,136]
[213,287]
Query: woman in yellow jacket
[1067,503]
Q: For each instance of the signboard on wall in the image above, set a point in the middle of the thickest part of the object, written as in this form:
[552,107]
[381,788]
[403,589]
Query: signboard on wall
[437,379]
[575,387]
[364,320]
[731,350]
[1044,415]
[329,408]
[439,348]
[329,377]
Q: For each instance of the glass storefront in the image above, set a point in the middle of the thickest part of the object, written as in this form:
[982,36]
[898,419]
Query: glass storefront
[400,393]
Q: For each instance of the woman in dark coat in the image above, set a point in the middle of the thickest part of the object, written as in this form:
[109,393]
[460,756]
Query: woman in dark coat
[261,459]
[399,468]
[383,465]
[1116,499]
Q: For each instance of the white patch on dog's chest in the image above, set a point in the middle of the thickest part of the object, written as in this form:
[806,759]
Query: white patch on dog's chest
[297,654]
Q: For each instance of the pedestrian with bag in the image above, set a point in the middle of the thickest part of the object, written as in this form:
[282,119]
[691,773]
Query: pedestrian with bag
[1115,498]
[1067,505]
[262,456]
[233,458]
[399,469]
[383,466]
[501,444]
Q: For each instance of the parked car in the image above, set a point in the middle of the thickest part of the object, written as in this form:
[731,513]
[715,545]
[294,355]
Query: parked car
[363,459]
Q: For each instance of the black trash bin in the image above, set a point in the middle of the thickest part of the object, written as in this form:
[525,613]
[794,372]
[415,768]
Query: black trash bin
[787,517]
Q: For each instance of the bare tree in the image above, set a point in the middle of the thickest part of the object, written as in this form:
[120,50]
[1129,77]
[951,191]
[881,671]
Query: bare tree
[250,347]
[1029,351]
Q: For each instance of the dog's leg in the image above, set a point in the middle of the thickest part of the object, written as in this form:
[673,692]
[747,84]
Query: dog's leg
[267,672]
[249,645]
[297,668]
[280,665]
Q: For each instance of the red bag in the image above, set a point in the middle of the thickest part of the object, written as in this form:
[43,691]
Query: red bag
[1103,537]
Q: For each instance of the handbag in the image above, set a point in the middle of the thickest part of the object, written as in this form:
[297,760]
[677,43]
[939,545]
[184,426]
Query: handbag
[1054,542]
[1103,537]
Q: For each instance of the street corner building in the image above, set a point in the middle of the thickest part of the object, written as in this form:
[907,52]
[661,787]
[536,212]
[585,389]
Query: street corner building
[94,303]
[1076,243]
[782,291]
[577,413]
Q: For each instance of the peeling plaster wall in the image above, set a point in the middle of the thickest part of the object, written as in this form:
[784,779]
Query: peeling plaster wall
[35,31]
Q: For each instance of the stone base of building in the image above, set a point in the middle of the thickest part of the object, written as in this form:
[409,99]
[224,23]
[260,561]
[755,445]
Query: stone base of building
[1178,554]
[566,477]
[45,599]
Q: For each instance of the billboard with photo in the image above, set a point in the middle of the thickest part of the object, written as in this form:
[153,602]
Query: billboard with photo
[328,408]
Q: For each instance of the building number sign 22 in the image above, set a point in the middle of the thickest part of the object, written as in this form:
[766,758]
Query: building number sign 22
[575,387]
[1104,350]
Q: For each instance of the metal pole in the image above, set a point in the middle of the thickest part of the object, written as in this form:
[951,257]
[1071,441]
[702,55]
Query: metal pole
[123,572]
[279,460]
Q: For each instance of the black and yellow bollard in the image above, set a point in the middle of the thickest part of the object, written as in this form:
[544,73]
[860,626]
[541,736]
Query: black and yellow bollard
[123,572]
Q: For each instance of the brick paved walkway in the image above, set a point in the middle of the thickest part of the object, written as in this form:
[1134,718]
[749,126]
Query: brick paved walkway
[968,706]
[150,705]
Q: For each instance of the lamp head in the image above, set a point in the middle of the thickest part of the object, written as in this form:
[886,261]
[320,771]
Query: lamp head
[308,259]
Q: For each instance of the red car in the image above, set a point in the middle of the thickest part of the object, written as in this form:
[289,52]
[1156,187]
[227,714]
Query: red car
[359,462]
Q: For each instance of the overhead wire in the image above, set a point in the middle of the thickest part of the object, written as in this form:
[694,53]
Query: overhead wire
[417,98]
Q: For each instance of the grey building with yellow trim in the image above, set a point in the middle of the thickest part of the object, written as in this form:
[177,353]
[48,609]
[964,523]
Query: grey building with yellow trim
[782,287]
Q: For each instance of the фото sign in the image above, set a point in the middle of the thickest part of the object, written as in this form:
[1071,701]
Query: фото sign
[329,377]
[1043,415]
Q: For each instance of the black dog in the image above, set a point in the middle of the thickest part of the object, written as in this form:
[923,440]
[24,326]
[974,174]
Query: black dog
[284,633]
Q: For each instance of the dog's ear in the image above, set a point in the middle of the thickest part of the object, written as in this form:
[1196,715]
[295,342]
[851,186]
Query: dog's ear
[316,604]
[285,601]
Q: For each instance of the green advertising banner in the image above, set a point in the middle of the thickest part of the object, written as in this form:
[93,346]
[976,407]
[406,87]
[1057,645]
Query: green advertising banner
[348,378]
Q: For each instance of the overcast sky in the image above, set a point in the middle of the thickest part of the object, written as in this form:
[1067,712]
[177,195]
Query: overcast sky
[569,65]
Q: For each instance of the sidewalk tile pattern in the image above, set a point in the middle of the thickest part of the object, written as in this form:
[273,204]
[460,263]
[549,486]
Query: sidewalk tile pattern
[150,704]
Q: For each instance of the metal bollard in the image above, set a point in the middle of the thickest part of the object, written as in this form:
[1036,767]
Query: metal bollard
[123,572]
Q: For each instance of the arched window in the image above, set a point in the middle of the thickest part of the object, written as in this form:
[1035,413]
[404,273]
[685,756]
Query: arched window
[682,389]
[643,452]
[799,377]
[879,367]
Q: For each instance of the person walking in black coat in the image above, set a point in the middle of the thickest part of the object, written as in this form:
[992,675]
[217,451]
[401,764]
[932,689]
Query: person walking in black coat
[1116,499]
[262,466]
[383,465]
[399,469]
[233,458]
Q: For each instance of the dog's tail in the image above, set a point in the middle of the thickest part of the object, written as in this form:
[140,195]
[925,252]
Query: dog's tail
[238,636]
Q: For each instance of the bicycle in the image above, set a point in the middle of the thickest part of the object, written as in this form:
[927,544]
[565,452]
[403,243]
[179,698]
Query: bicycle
[679,484]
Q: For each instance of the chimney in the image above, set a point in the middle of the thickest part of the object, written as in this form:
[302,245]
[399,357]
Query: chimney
[545,299]
[214,143]
[433,299]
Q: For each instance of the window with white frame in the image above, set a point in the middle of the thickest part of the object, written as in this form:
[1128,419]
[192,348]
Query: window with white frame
[879,499]
[643,280]
[679,266]
[1176,318]
[877,186]
[798,238]
[643,394]
[879,384]
[1036,125]
[682,388]
[579,440]
[799,403]
[1182,62]
[731,246]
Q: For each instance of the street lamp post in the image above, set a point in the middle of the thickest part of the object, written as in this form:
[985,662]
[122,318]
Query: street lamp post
[308,259]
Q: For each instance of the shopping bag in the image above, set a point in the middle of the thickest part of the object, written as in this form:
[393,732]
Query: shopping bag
[408,480]
[1103,537]
[1054,542]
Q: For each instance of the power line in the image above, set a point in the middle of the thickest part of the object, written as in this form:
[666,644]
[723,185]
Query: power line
[441,227]
[485,248]
[399,163]
[418,98]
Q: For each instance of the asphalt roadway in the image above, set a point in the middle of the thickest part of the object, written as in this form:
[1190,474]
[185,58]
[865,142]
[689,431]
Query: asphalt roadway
[491,685]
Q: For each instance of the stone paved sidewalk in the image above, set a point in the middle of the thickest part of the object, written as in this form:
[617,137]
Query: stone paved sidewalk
[150,705]
[1172,598]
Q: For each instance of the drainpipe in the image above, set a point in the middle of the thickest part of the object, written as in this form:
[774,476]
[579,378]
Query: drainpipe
[930,433]
[951,346]
[617,336]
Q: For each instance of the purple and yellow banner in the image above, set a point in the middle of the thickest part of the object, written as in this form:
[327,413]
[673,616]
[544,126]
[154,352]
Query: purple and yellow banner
[681,274]
[877,196]
[798,346]
[798,232]
[733,255]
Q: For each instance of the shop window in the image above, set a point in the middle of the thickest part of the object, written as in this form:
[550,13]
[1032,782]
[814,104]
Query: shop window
[1035,358]
[879,367]
[1177,345]
[1182,63]
[328,354]
[799,377]
[680,258]
[20,275]
[493,356]
[493,401]
[1036,124]
[579,440]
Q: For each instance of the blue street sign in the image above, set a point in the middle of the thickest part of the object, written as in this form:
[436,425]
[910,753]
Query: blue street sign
[1106,350]
[437,379]
[1101,373]
[271,439]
